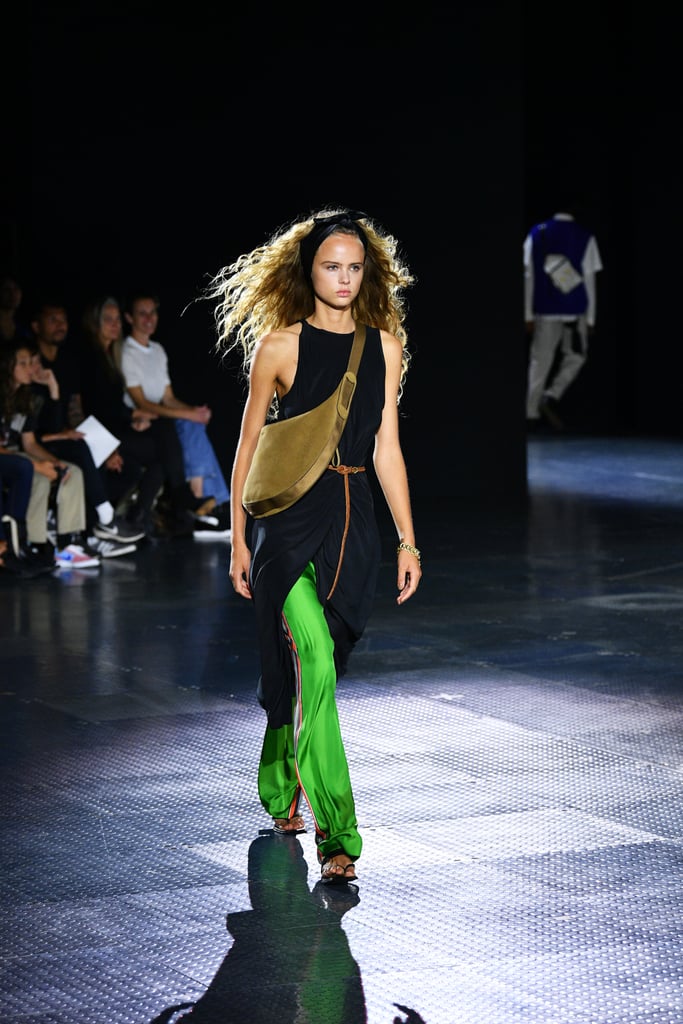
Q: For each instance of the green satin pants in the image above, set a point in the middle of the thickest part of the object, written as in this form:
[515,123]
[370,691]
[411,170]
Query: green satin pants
[307,757]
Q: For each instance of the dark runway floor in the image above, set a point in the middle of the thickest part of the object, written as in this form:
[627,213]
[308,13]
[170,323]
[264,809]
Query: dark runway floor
[515,737]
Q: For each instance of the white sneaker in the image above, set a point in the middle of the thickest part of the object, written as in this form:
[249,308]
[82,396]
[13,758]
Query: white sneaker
[108,549]
[74,557]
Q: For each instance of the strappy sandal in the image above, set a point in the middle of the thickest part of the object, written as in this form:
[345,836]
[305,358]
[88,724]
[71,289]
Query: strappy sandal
[327,874]
[293,826]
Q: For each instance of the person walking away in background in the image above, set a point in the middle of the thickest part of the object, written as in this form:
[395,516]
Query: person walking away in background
[561,260]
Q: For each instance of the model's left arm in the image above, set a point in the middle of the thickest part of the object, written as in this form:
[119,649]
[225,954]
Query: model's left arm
[391,472]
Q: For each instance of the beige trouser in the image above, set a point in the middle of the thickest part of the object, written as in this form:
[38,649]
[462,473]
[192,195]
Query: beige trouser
[548,336]
[70,505]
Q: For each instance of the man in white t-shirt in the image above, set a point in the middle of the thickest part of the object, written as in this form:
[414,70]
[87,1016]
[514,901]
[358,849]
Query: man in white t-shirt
[144,365]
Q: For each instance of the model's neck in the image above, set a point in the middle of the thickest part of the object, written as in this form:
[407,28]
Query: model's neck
[142,339]
[337,321]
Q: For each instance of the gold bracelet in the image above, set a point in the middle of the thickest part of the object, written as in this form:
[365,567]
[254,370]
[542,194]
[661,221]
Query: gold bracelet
[410,549]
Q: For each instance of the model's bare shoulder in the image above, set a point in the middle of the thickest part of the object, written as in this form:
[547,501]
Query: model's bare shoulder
[279,352]
[391,347]
[279,342]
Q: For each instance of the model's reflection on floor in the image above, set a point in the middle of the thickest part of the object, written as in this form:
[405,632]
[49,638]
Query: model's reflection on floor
[290,961]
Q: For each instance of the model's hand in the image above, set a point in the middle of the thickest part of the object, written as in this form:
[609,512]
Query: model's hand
[240,562]
[114,463]
[409,575]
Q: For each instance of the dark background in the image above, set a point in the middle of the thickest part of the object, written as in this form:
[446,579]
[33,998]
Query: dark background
[155,145]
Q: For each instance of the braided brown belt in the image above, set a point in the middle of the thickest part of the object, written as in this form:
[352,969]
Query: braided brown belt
[344,471]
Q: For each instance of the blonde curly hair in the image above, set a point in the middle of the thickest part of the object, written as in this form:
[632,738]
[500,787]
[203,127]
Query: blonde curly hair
[268,288]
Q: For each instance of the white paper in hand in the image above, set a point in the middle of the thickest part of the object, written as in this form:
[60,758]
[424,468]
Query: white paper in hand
[99,440]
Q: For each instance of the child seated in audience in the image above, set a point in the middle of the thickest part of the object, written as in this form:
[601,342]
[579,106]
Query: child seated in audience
[51,474]
[54,387]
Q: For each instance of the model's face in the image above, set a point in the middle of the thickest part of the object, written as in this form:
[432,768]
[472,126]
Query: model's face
[51,325]
[110,325]
[337,272]
[144,317]
[23,373]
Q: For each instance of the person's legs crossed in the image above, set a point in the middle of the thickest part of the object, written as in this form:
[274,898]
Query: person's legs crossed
[202,468]
[97,504]
[139,452]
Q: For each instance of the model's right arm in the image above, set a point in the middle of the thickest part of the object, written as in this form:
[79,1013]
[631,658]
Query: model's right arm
[265,374]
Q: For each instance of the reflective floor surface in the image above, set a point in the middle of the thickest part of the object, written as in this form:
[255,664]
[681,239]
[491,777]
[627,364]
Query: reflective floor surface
[515,737]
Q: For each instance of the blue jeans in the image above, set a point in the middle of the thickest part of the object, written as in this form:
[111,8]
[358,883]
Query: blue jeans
[200,459]
[16,478]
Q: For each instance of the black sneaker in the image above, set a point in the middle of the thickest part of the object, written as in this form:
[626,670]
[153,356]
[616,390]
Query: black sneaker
[170,525]
[42,555]
[202,506]
[108,548]
[218,520]
[22,568]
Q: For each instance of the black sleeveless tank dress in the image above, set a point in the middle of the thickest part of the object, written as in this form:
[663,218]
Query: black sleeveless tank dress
[312,529]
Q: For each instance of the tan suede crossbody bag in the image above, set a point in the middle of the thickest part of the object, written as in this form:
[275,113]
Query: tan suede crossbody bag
[291,455]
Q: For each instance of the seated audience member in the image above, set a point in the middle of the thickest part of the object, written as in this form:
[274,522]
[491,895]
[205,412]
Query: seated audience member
[16,481]
[52,477]
[144,363]
[148,438]
[12,328]
[106,533]
[49,324]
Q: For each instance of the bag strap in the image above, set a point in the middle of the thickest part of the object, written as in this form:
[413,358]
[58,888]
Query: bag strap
[347,385]
[357,349]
